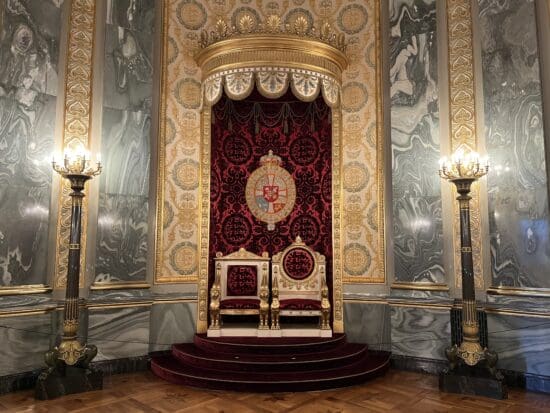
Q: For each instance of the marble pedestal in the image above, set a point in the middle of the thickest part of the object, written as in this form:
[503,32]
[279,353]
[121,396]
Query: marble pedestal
[475,381]
[68,380]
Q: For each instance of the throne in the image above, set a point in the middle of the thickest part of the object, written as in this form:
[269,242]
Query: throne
[241,287]
[299,286]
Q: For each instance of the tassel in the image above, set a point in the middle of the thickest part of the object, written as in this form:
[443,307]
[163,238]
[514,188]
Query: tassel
[285,126]
[257,127]
[230,125]
[312,125]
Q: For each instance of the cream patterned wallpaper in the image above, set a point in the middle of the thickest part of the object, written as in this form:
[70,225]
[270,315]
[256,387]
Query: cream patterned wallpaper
[178,237]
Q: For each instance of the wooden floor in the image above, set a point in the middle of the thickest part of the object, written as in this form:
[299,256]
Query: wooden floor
[398,391]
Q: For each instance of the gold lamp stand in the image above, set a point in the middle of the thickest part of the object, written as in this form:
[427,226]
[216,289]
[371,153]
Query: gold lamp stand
[69,363]
[463,169]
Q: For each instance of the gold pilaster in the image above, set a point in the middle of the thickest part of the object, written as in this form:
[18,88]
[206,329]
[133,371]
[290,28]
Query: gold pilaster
[77,121]
[463,120]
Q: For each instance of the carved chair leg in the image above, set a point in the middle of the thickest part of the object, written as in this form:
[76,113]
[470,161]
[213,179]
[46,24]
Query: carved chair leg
[325,320]
[275,320]
[214,319]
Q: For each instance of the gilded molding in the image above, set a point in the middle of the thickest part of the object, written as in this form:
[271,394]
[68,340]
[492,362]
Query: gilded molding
[420,286]
[204,231]
[463,121]
[337,223]
[76,123]
[518,291]
[25,289]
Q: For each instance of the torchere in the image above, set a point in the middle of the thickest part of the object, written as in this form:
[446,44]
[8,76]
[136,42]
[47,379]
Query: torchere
[68,364]
[463,169]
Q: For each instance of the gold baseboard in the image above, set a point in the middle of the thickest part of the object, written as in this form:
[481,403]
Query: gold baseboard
[25,289]
[420,286]
[119,286]
[519,291]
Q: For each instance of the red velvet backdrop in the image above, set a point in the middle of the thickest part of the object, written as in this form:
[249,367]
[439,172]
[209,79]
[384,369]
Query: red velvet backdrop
[298,132]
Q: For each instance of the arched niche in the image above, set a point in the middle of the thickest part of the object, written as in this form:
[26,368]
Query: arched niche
[271,60]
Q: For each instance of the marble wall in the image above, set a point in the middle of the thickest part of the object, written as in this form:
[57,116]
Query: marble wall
[368,323]
[29,54]
[417,220]
[514,133]
[126,140]
[420,332]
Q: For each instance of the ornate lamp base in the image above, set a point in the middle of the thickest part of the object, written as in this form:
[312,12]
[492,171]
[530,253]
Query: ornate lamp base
[472,371]
[62,378]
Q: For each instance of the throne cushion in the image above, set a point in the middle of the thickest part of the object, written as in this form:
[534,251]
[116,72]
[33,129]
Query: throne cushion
[298,263]
[242,280]
[240,304]
[300,304]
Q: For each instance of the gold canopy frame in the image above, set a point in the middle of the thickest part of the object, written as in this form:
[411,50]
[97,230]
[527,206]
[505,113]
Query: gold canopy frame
[271,58]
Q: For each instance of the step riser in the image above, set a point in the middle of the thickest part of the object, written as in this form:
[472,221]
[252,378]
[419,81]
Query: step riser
[228,347]
[235,365]
[268,387]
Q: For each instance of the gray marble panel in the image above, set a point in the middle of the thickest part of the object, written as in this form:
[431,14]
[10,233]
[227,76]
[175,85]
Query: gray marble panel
[420,332]
[136,15]
[128,69]
[119,332]
[417,225]
[514,131]
[368,323]
[172,323]
[121,239]
[125,147]
[522,343]
[26,144]
[29,45]
[24,341]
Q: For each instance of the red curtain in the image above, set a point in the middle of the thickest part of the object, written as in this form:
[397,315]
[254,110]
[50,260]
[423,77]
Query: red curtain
[298,132]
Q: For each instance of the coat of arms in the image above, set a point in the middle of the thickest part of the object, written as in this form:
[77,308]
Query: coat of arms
[270,191]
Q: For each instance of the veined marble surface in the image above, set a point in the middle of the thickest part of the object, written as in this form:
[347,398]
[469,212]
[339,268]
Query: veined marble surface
[172,323]
[420,332]
[126,142]
[522,343]
[518,191]
[417,225]
[119,332]
[368,323]
[24,340]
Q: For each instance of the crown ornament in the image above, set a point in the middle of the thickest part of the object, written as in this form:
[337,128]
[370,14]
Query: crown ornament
[273,25]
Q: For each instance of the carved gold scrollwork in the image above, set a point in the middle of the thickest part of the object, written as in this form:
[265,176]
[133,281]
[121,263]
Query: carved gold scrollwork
[331,91]
[305,86]
[272,84]
[238,86]
[76,128]
[213,90]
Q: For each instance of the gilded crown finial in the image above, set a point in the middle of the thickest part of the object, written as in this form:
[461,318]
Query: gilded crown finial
[273,25]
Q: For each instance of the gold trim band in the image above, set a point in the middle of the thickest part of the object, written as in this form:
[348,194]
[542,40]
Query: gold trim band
[25,289]
[419,286]
[119,286]
[519,291]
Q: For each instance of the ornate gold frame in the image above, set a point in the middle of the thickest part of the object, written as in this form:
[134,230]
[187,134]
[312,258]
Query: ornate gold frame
[288,52]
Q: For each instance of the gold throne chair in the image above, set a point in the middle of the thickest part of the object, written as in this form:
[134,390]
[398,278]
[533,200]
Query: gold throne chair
[241,287]
[299,287]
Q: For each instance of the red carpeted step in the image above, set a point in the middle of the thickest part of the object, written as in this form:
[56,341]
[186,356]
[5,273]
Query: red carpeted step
[370,365]
[279,345]
[344,353]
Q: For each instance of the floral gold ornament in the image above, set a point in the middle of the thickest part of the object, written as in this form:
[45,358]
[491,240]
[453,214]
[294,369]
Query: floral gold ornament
[462,169]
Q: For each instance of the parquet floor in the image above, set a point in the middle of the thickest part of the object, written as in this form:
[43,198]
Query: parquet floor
[398,391]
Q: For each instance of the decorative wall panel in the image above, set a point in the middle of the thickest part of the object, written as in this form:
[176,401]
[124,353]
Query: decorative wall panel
[414,92]
[76,132]
[515,141]
[125,143]
[463,122]
[29,55]
[177,245]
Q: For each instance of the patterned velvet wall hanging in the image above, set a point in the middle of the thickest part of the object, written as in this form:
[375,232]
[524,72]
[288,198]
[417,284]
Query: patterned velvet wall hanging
[300,134]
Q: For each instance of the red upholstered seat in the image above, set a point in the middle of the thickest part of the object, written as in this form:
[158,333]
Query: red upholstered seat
[240,304]
[299,304]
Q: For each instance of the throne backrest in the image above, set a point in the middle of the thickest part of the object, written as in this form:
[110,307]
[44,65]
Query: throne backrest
[241,274]
[299,272]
